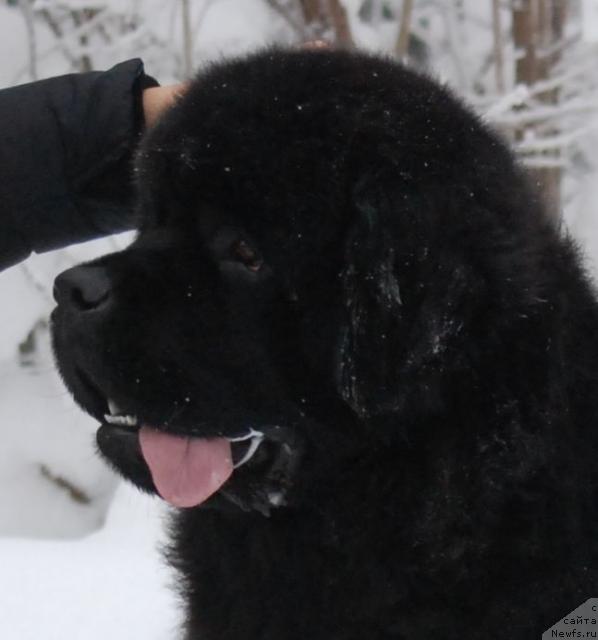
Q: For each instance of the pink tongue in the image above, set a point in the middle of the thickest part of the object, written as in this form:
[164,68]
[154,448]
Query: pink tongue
[185,471]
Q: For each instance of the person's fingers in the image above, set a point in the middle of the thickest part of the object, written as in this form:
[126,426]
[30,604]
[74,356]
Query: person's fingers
[158,99]
[315,44]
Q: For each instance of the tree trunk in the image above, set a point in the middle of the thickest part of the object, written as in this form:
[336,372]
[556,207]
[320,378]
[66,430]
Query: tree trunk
[340,23]
[328,17]
[402,47]
[538,27]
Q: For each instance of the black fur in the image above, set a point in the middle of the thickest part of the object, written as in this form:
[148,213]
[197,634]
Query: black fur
[421,334]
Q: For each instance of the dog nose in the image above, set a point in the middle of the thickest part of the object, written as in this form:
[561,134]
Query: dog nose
[82,288]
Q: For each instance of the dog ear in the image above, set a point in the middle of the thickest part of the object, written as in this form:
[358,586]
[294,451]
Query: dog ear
[407,302]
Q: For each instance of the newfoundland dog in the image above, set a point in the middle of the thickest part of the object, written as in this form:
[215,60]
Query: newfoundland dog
[350,348]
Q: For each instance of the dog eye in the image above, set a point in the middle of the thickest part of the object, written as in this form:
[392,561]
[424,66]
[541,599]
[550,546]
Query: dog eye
[246,254]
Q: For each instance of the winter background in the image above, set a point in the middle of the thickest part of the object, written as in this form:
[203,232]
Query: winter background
[79,549]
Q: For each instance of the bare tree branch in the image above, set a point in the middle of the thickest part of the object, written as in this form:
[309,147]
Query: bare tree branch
[35,282]
[402,47]
[286,14]
[207,5]
[323,16]
[27,11]
[187,38]
[499,66]
[312,10]
[340,23]
[538,29]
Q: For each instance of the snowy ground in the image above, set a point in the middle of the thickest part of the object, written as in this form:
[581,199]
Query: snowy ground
[88,568]
[111,584]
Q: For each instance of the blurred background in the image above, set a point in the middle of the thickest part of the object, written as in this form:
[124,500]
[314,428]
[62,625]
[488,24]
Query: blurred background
[78,548]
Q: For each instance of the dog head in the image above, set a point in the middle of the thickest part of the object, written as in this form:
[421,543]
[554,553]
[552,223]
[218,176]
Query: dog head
[312,275]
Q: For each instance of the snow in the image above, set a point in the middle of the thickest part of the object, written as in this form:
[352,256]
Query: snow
[590,20]
[33,405]
[581,216]
[12,44]
[112,584]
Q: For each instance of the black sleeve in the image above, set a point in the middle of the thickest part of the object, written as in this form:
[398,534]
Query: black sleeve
[65,153]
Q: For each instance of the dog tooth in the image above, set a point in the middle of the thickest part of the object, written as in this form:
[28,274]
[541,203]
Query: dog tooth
[114,408]
[124,421]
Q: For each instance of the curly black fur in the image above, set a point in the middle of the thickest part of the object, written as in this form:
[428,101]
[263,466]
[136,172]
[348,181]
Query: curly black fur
[424,329]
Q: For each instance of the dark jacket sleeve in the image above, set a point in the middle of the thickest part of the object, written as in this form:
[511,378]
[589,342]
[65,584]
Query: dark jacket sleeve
[65,154]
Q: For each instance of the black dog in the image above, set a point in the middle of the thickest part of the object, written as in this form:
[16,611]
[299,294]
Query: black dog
[347,330]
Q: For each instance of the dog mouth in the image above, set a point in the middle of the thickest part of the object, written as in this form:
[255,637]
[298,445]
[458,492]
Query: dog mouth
[242,447]
[252,467]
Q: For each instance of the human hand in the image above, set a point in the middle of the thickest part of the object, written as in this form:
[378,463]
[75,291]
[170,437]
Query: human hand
[157,99]
[315,44]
